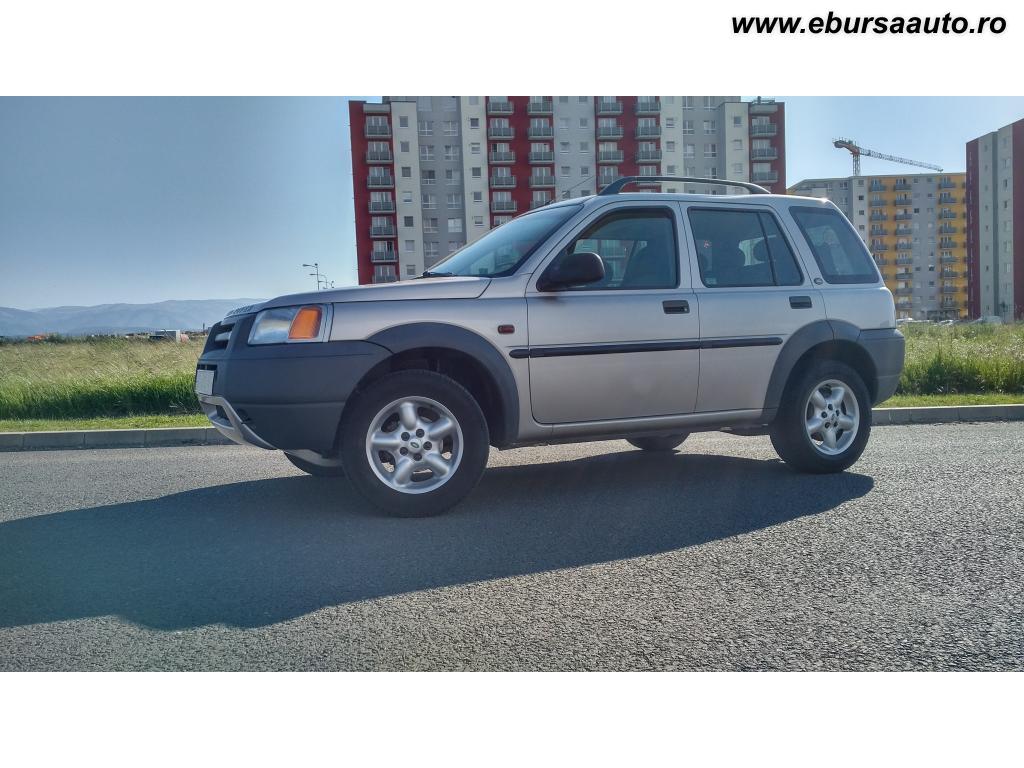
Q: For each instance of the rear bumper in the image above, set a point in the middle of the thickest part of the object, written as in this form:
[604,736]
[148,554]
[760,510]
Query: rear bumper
[284,396]
[887,347]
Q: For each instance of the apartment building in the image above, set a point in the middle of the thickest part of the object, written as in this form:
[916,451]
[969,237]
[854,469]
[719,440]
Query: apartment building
[432,173]
[995,223]
[914,225]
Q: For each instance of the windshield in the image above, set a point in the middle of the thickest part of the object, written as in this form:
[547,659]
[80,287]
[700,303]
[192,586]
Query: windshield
[502,250]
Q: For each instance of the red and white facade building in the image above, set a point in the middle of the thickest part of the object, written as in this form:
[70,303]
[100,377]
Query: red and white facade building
[432,173]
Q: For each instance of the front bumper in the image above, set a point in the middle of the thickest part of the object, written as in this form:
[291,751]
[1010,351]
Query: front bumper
[283,396]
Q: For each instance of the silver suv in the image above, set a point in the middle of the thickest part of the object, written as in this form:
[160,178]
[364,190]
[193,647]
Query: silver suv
[643,316]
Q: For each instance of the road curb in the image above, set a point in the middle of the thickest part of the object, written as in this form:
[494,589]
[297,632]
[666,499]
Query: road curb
[172,436]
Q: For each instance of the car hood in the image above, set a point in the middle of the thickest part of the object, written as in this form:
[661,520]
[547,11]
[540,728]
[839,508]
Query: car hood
[425,288]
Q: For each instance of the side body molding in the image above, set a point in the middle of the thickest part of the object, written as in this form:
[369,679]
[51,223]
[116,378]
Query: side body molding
[402,338]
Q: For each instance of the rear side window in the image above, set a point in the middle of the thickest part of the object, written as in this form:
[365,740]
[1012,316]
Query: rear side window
[741,249]
[841,255]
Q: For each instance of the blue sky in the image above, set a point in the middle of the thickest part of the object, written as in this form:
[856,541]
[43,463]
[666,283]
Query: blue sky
[139,200]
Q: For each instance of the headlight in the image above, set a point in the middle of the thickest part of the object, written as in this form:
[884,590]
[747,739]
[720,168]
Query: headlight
[291,325]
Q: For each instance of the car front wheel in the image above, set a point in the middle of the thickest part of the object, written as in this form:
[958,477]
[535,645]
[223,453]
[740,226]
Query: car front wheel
[824,419]
[414,443]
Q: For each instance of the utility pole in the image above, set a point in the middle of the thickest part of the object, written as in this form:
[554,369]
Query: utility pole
[316,266]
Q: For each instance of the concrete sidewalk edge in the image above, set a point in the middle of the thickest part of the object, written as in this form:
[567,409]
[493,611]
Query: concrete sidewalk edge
[171,436]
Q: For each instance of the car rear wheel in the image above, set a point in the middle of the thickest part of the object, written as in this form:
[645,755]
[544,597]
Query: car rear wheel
[660,443]
[325,469]
[414,443]
[824,420]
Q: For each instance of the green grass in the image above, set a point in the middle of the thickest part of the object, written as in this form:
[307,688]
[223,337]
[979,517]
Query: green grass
[116,378]
[989,398]
[113,422]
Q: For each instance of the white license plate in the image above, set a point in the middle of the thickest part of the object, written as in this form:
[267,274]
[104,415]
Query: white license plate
[204,381]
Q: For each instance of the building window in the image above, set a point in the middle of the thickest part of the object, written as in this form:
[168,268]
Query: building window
[426,152]
[475,173]
[403,122]
[563,147]
[406,172]
[451,128]
[478,221]
[452,176]
[709,102]
[474,101]
[566,170]
[454,225]
[584,122]
[430,226]
[403,146]
[670,146]
[428,178]
[737,121]
[410,246]
[406,196]
[710,150]
[584,146]
[687,102]
[710,127]
[429,202]
[688,128]
[474,122]
[670,122]
[451,153]
[585,170]
[478,197]
[408,221]
[455,200]
[426,128]
[474,148]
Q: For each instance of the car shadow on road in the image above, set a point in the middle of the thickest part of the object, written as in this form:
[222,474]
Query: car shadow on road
[256,553]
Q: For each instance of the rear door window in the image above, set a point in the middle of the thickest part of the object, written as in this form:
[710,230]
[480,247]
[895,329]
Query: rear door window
[741,249]
[841,255]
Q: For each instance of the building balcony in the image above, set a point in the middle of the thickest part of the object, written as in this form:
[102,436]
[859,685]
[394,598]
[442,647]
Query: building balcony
[376,131]
[545,107]
[904,231]
[541,132]
[903,216]
[876,203]
[648,156]
[767,177]
[903,201]
[903,274]
[951,274]
[380,181]
[648,106]
[904,246]
[949,289]
[947,184]
[610,156]
[904,303]
[542,181]
[383,256]
[500,107]
[905,291]
[948,229]
[503,206]
[648,132]
[903,260]
[383,230]
[615,132]
[875,187]
[609,107]
[503,182]
[947,244]
[879,232]
[951,259]
[501,158]
[382,206]
[878,216]
[950,303]
[901,186]
[771,153]
[947,199]
[879,247]
[764,129]
[379,157]
[882,262]
[501,132]
[542,157]
[947,215]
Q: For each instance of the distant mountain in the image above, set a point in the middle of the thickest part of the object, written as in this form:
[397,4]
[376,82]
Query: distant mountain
[117,318]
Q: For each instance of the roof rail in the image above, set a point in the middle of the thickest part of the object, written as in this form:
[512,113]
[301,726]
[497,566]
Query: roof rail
[616,186]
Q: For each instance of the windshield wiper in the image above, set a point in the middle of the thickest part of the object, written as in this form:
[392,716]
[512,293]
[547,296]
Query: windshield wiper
[428,273]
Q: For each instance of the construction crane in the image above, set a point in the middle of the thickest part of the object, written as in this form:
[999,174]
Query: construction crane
[856,151]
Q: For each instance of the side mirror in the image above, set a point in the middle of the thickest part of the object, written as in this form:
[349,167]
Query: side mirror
[571,269]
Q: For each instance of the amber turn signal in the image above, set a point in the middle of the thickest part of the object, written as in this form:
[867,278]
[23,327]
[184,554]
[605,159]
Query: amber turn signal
[306,324]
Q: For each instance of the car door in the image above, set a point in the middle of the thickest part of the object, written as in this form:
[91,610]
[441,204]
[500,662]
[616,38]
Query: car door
[625,347]
[753,294]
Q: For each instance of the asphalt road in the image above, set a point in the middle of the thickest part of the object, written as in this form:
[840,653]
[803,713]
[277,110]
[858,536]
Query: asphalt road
[592,556]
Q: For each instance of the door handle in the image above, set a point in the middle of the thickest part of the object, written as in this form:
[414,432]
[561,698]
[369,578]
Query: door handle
[676,307]
[800,302]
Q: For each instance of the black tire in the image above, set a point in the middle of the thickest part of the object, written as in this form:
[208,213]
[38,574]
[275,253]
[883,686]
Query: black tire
[316,470]
[789,432]
[363,408]
[660,444]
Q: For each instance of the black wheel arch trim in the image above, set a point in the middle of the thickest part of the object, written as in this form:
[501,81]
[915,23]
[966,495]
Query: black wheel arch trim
[822,332]
[425,335]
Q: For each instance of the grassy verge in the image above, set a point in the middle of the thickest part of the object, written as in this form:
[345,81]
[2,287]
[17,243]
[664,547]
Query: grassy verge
[991,398]
[123,422]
